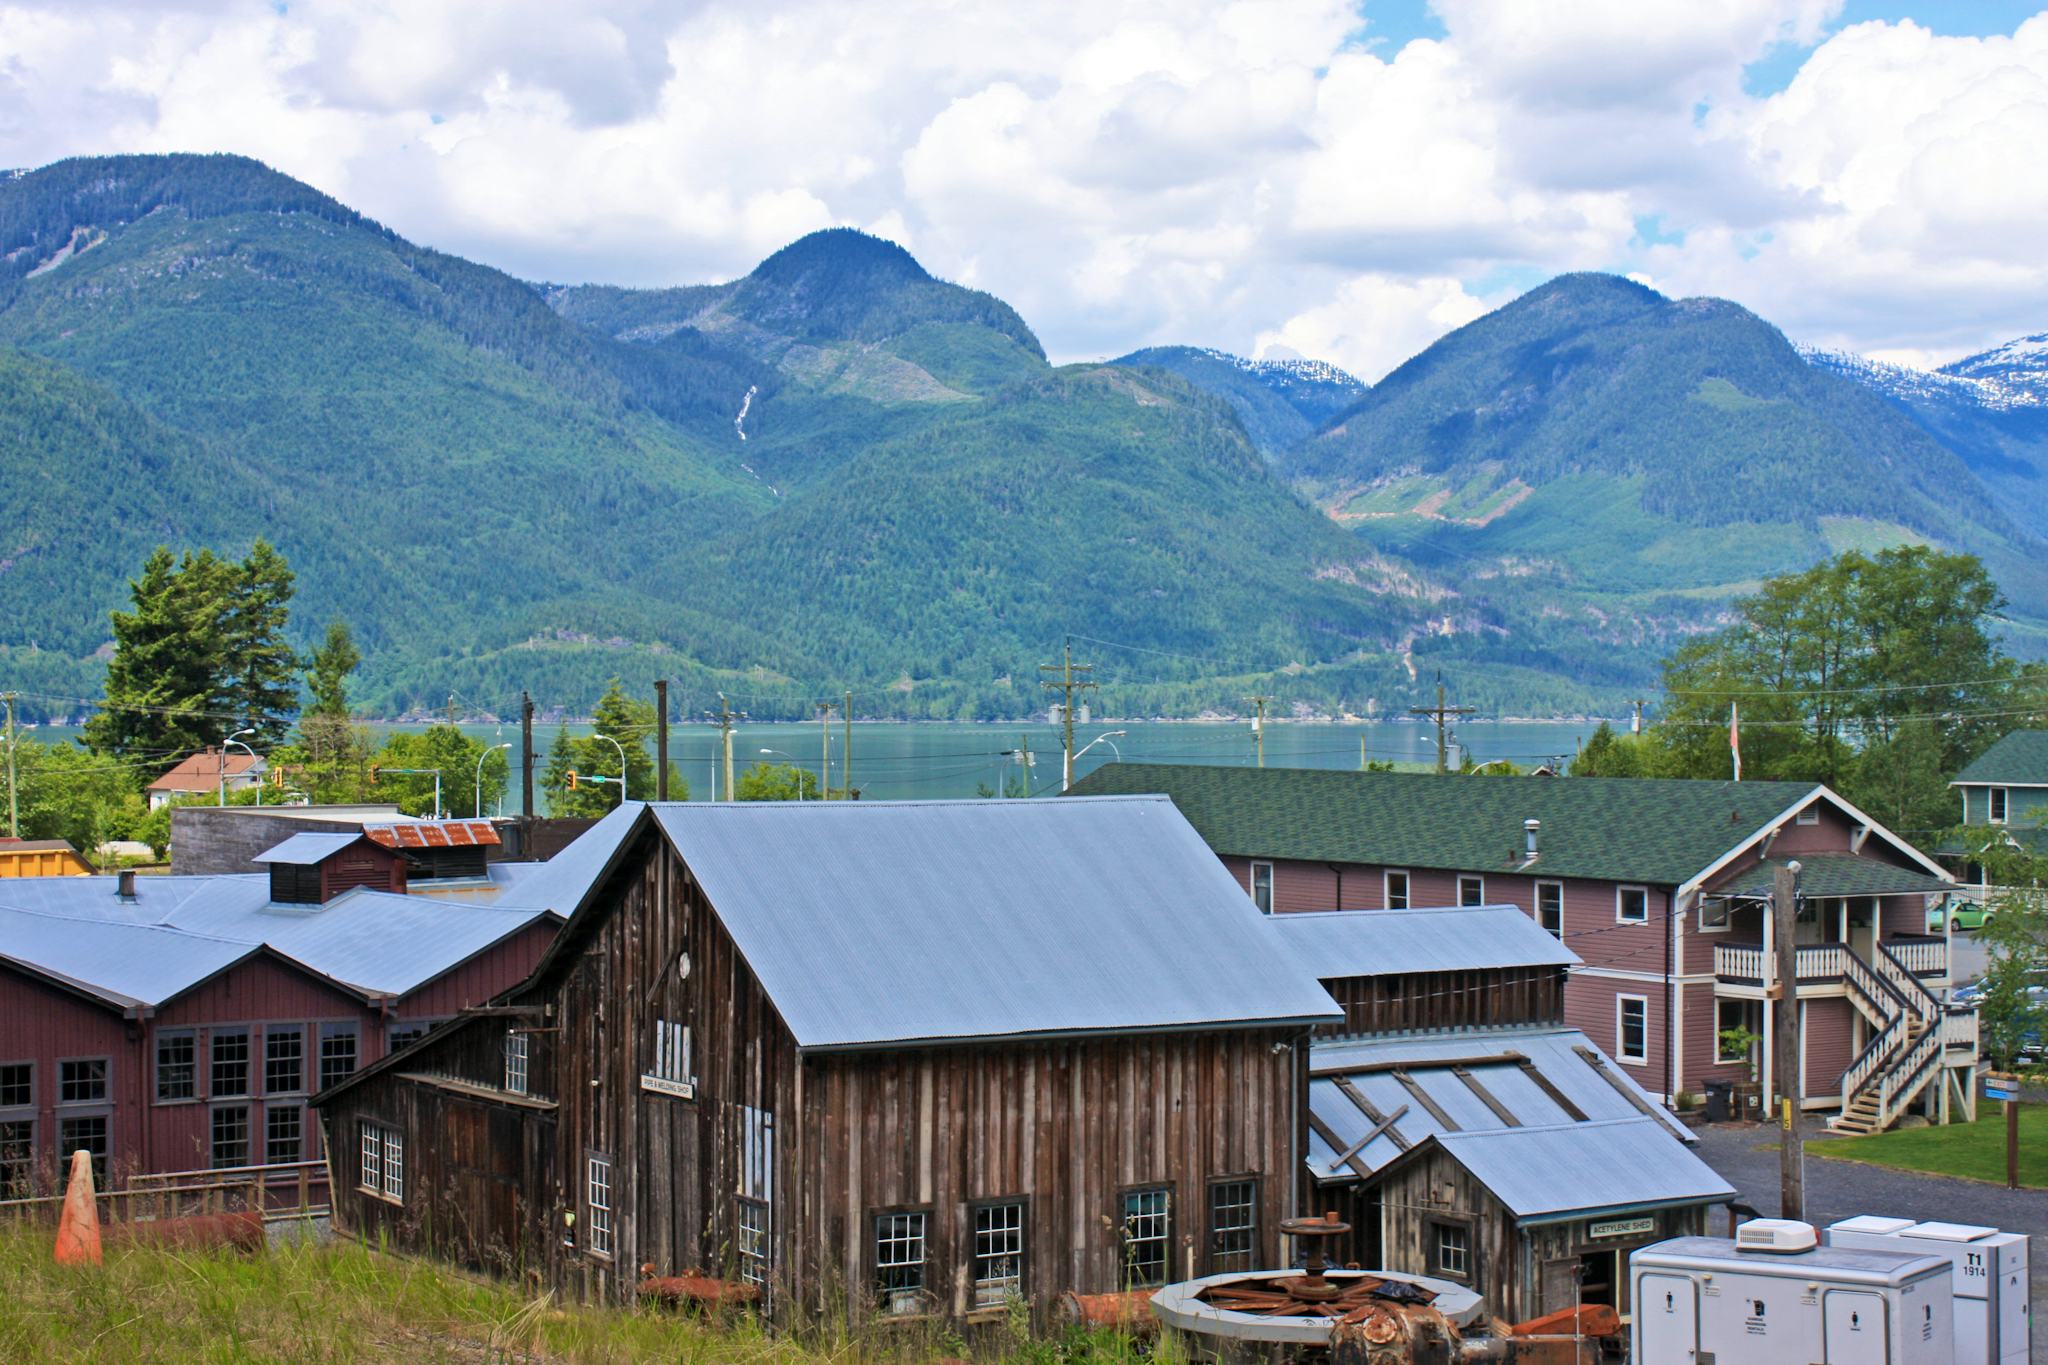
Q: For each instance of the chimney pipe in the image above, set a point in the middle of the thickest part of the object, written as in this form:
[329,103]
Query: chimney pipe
[1529,828]
[124,884]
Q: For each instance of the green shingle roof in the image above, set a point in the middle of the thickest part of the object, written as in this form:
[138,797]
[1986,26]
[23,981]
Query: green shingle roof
[1625,829]
[2018,759]
[1837,874]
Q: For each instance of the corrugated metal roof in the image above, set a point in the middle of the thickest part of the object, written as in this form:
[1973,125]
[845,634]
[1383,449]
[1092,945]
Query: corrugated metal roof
[1346,943]
[123,964]
[878,922]
[434,833]
[306,849]
[1372,1069]
[1836,874]
[561,883]
[1582,1168]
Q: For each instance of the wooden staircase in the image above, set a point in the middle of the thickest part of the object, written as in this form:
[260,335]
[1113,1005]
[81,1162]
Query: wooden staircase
[1905,1050]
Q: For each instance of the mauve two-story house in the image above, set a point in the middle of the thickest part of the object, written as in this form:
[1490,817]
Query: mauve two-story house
[1661,887]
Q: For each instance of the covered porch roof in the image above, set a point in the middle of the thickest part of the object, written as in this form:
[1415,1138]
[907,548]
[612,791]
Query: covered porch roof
[1834,874]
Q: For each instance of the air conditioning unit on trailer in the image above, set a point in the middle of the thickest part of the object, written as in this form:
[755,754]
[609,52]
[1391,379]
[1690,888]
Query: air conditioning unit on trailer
[1993,1318]
[1780,1236]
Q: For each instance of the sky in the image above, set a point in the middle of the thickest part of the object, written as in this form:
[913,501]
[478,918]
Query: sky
[1345,181]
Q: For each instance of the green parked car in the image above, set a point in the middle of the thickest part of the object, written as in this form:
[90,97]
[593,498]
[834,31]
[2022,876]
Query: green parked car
[1958,915]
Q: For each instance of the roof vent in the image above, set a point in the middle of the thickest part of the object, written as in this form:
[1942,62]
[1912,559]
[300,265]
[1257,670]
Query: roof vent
[1529,831]
[124,885]
[1776,1236]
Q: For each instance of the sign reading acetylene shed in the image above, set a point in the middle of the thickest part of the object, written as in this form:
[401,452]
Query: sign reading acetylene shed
[661,1085]
[1621,1227]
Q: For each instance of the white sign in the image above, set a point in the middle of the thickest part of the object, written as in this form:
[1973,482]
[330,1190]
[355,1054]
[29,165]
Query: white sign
[1621,1227]
[661,1085]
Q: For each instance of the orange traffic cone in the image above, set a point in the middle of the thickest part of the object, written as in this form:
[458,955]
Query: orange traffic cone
[78,1231]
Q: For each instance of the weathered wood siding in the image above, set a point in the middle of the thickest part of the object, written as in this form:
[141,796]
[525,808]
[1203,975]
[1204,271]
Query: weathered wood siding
[1430,1000]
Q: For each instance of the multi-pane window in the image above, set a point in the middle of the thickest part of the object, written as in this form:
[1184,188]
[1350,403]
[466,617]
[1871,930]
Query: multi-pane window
[371,1174]
[1632,1028]
[516,1056]
[230,1073]
[404,1035]
[17,1157]
[382,1169]
[1147,1230]
[283,1133]
[337,1053]
[1233,1224]
[671,1051]
[177,1066]
[1471,890]
[86,1133]
[230,1136]
[753,1241]
[394,1163]
[1397,890]
[998,1254]
[82,1081]
[1450,1249]
[600,1196]
[17,1085]
[1550,907]
[900,1245]
[284,1061]
[1262,887]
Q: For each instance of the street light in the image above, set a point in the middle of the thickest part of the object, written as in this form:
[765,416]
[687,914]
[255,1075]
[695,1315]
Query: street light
[622,763]
[235,739]
[800,773]
[480,773]
[1104,738]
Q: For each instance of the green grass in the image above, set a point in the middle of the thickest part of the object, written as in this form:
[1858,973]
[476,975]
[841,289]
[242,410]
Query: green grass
[343,1302]
[1974,1151]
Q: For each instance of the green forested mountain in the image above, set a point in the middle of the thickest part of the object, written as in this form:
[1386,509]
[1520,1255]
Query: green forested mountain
[838,471]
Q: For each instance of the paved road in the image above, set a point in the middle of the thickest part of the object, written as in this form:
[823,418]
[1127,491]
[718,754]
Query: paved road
[1843,1189]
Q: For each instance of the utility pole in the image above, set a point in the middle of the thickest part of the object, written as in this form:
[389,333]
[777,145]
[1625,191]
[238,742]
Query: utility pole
[1259,725]
[13,808]
[526,755]
[1363,764]
[1066,685]
[824,751]
[1791,1154]
[846,749]
[725,746]
[451,708]
[1441,714]
[661,739]
[1636,725]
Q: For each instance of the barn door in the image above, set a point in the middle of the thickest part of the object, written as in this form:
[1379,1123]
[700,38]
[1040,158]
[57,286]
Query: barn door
[1667,1320]
[1853,1327]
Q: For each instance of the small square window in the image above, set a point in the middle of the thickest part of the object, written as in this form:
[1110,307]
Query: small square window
[1450,1249]
[284,1061]
[998,1253]
[1632,1028]
[230,1136]
[230,1073]
[1471,890]
[177,1066]
[83,1081]
[1550,907]
[1397,890]
[17,1085]
[1809,816]
[1632,904]
[1147,1236]
[1262,887]
[900,1253]
[87,1133]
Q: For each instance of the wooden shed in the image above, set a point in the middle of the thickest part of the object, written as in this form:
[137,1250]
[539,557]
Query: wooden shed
[911,1059]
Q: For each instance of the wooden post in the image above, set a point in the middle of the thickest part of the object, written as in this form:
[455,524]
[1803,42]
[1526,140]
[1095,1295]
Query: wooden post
[661,739]
[526,761]
[1791,1155]
[2012,1144]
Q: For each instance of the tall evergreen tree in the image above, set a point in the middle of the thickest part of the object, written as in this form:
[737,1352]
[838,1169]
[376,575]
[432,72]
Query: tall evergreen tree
[163,689]
[627,720]
[261,670]
[328,671]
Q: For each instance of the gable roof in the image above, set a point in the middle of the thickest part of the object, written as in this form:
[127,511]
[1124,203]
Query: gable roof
[873,923]
[1577,1169]
[1624,829]
[2018,759]
[201,772]
[1836,874]
[1333,944]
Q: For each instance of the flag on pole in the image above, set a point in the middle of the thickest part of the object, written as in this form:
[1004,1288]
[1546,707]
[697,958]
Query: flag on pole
[1735,736]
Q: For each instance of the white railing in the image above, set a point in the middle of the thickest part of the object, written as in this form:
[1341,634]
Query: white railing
[1920,956]
[1906,1078]
[1959,1029]
[1911,989]
[1743,962]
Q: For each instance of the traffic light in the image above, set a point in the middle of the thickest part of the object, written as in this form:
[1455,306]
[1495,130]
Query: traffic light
[374,770]
[277,778]
[572,779]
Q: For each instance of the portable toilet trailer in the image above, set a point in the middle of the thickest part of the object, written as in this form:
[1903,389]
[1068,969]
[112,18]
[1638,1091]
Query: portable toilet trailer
[1772,1296]
[1993,1316]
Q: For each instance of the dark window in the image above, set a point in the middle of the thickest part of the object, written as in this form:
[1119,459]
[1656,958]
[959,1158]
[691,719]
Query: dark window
[230,1136]
[83,1081]
[337,1053]
[1730,1016]
[284,1061]
[1262,887]
[998,1253]
[283,1131]
[404,1035]
[86,1133]
[1997,805]
[1550,907]
[1450,1249]
[900,1261]
[177,1066]
[1397,891]
[1471,890]
[230,1073]
[17,1085]
[1632,1029]
[753,1225]
[1233,1224]
[1147,1236]
[17,1157]
[1631,904]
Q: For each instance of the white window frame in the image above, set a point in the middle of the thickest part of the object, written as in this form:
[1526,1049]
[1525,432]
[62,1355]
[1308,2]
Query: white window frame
[751,1223]
[1559,888]
[1621,1033]
[1619,917]
[1464,877]
[381,1171]
[1387,888]
[1721,1058]
[1252,885]
[1727,912]
[1997,805]
[597,1193]
[1808,815]
[518,1062]
[394,1165]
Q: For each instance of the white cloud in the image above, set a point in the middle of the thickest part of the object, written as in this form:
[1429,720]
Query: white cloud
[1127,172]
